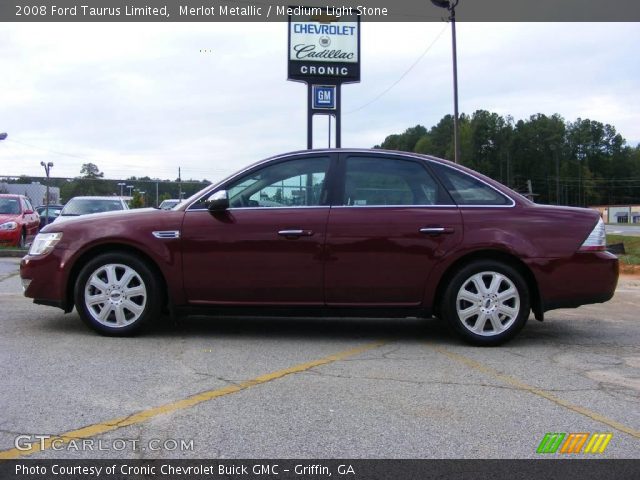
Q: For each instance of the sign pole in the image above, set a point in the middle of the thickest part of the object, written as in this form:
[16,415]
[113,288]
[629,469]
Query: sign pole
[324,53]
[338,116]
[309,117]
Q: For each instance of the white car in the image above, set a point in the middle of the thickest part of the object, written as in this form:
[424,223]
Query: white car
[85,205]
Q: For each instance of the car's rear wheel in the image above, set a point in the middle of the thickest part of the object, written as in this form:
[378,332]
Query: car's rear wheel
[117,293]
[487,302]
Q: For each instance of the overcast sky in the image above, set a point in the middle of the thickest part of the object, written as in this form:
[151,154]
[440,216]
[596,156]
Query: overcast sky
[145,99]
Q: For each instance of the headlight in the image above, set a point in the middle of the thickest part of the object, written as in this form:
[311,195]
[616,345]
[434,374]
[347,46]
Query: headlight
[44,243]
[9,226]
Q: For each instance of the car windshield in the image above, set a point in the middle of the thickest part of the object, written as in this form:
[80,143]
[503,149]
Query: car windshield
[9,206]
[83,206]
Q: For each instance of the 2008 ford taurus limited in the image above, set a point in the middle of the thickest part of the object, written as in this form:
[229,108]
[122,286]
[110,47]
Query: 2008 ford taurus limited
[335,233]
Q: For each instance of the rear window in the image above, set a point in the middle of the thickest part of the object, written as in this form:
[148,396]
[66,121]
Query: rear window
[467,190]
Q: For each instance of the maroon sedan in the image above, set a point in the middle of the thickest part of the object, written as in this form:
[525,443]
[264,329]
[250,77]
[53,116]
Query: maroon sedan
[335,233]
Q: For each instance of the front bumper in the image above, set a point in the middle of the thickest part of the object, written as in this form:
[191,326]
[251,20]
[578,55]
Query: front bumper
[10,237]
[47,278]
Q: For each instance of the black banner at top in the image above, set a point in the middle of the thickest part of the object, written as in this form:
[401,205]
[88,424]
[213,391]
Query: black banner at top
[278,11]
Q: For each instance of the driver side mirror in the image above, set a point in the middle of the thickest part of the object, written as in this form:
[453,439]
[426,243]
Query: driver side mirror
[218,202]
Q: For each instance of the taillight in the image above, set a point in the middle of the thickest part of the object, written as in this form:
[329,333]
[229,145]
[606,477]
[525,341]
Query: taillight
[597,239]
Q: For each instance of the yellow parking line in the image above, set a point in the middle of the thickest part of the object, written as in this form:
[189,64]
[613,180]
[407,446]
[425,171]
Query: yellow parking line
[116,423]
[536,391]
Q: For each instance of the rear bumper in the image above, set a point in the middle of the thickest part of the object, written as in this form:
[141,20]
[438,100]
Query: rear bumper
[581,279]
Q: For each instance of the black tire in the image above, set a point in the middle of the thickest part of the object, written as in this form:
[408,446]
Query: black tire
[496,313]
[130,290]
[22,243]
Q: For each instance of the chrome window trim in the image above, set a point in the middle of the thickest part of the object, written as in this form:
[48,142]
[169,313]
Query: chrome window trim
[394,206]
[264,208]
[423,206]
[379,153]
[513,204]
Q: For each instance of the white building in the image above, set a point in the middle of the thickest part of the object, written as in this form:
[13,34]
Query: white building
[35,192]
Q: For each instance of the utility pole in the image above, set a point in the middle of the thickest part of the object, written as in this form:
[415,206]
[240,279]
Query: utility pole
[179,185]
[450,5]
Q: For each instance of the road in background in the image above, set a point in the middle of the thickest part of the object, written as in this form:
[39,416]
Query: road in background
[623,229]
[317,388]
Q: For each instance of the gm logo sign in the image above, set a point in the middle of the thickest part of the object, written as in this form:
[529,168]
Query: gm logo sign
[324,97]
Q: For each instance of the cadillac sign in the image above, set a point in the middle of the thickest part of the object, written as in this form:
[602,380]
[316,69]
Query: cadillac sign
[324,47]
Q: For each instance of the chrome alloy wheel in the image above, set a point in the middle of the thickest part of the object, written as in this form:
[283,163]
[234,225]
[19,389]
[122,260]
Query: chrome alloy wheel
[115,295]
[487,303]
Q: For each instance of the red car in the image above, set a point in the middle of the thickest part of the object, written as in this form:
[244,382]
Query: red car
[335,233]
[18,221]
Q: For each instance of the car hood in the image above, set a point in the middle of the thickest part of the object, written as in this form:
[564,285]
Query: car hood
[77,220]
[8,217]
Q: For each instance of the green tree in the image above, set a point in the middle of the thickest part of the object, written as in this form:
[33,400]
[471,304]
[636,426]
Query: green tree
[90,170]
[578,163]
[136,200]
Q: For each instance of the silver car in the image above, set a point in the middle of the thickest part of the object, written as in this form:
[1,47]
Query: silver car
[85,205]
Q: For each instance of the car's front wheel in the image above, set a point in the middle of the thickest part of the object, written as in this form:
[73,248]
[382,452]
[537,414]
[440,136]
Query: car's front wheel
[116,294]
[487,302]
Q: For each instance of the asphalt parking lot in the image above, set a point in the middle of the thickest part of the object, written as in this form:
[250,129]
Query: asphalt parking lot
[314,388]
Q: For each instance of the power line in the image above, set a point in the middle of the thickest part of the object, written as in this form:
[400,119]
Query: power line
[49,151]
[413,65]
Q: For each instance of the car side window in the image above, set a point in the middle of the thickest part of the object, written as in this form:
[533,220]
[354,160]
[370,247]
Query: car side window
[467,190]
[292,183]
[374,181]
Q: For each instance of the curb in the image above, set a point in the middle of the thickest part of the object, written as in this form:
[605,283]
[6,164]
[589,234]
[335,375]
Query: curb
[629,269]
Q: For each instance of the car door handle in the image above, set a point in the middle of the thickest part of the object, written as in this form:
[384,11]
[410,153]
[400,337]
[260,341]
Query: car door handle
[295,233]
[436,230]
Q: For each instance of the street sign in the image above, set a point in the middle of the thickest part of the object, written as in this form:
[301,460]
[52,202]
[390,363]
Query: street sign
[324,97]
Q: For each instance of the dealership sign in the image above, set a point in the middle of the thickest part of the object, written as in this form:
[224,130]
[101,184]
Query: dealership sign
[324,47]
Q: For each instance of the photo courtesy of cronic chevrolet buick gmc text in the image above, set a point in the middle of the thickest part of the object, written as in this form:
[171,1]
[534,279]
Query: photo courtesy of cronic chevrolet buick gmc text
[334,233]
